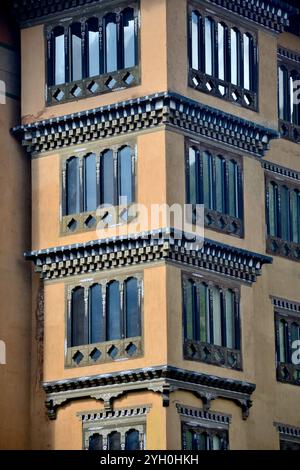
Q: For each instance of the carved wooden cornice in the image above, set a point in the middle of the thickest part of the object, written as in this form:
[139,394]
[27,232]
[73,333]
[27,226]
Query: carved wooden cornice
[157,245]
[145,113]
[160,379]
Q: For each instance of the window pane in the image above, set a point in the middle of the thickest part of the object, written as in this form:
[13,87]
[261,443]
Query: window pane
[93,47]
[72,189]
[217,316]
[90,184]
[247,55]
[191,440]
[273,209]
[76,52]
[230,331]
[234,53]
[207,181]
[125,176]
[59,65]
[282,341]
[79,335]
[221,51]
[232,190]
[97,319]
[107,178]
[114,441]
[113,311]
[209,45]
[203,312]
[284,209]
[282,84]
[132,440]
[195,40]
[220,183]
[192,183]
[111,44]
[203,441]
[189,310]
[129,38]
[216,443]
[294,216]
[132,309]
[96,442]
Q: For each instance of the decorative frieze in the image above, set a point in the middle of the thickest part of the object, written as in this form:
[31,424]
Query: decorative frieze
[280,171]
[161,109]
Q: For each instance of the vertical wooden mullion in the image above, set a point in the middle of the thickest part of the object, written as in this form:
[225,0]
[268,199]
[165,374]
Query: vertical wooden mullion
[64,190]
[101,45]
[103,303]
[214,185]
[288,335]
[120,53]
[81,185]
[278,210]
[136,34]
[211,315]
[86,315]
[133,173]
[223,317]
[201,181]
[215,50]
[67,53]
[237,321]
[69,319]
[116,162]
[84,55]
[277,340]
[122,311]
[241,60]
[226,188]
[98,177]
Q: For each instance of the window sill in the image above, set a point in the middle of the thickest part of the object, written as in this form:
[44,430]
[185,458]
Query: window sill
[288,373]
[289,131]
[224,90]
[111,351]
[212,354]
[278,247]
[223,223]
[93,86]
[103,218]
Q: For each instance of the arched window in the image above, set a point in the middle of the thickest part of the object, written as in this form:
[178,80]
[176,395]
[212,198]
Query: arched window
[132,440]
[93,46]
[132,308]
[96,442]
[196,23]
[233,189]
[90,183]
[283,104]
[107,178]
[125,175]
[114,441]
[72,186]
[129,46]
[111,43]
[191,312]
[248,61]
[273,210]
[222,51]
[295,216]
[76,51]
[235,54]
[96,315]
[220,205]
[79,330]
[58,56]
[283,341]
[207,181]
[113,311]
[209,45]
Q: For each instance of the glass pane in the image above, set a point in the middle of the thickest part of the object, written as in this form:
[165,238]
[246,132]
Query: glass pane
[195,40]
[202,441]
[282,341]
[129,38]
[125,176]
[97,319]
[90,184]
[113,311]
[294,216]
[220,181]
[230,330]
[221,51]
[191,440]
[272,211]
[234,53]
[216,443]
[72,189]
[76,53]
[96,442]
[217,316]
[284,209]
[107,178]
[203,312]
[114,441]
[132,309]
[59,66]
[207,180]
[79,335]
[232,190]
[93,47]
[192,189]
[209,45]
[247,55]
[189,310]
[282,92]
[111,44]
[132,440]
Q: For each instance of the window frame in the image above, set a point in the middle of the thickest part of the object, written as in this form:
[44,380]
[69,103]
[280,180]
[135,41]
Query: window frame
[206,352]
[212,85]
[120,347]
[105,82]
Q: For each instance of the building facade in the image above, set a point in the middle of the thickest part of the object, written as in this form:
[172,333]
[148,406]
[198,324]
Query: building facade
[141,340]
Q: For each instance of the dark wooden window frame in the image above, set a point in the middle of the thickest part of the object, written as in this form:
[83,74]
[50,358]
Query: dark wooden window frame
[107,351]
[286,372]
[104,82]
[208,430]
[275,245]
[103,217]
[211,85]
[214,220]
[206,352]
